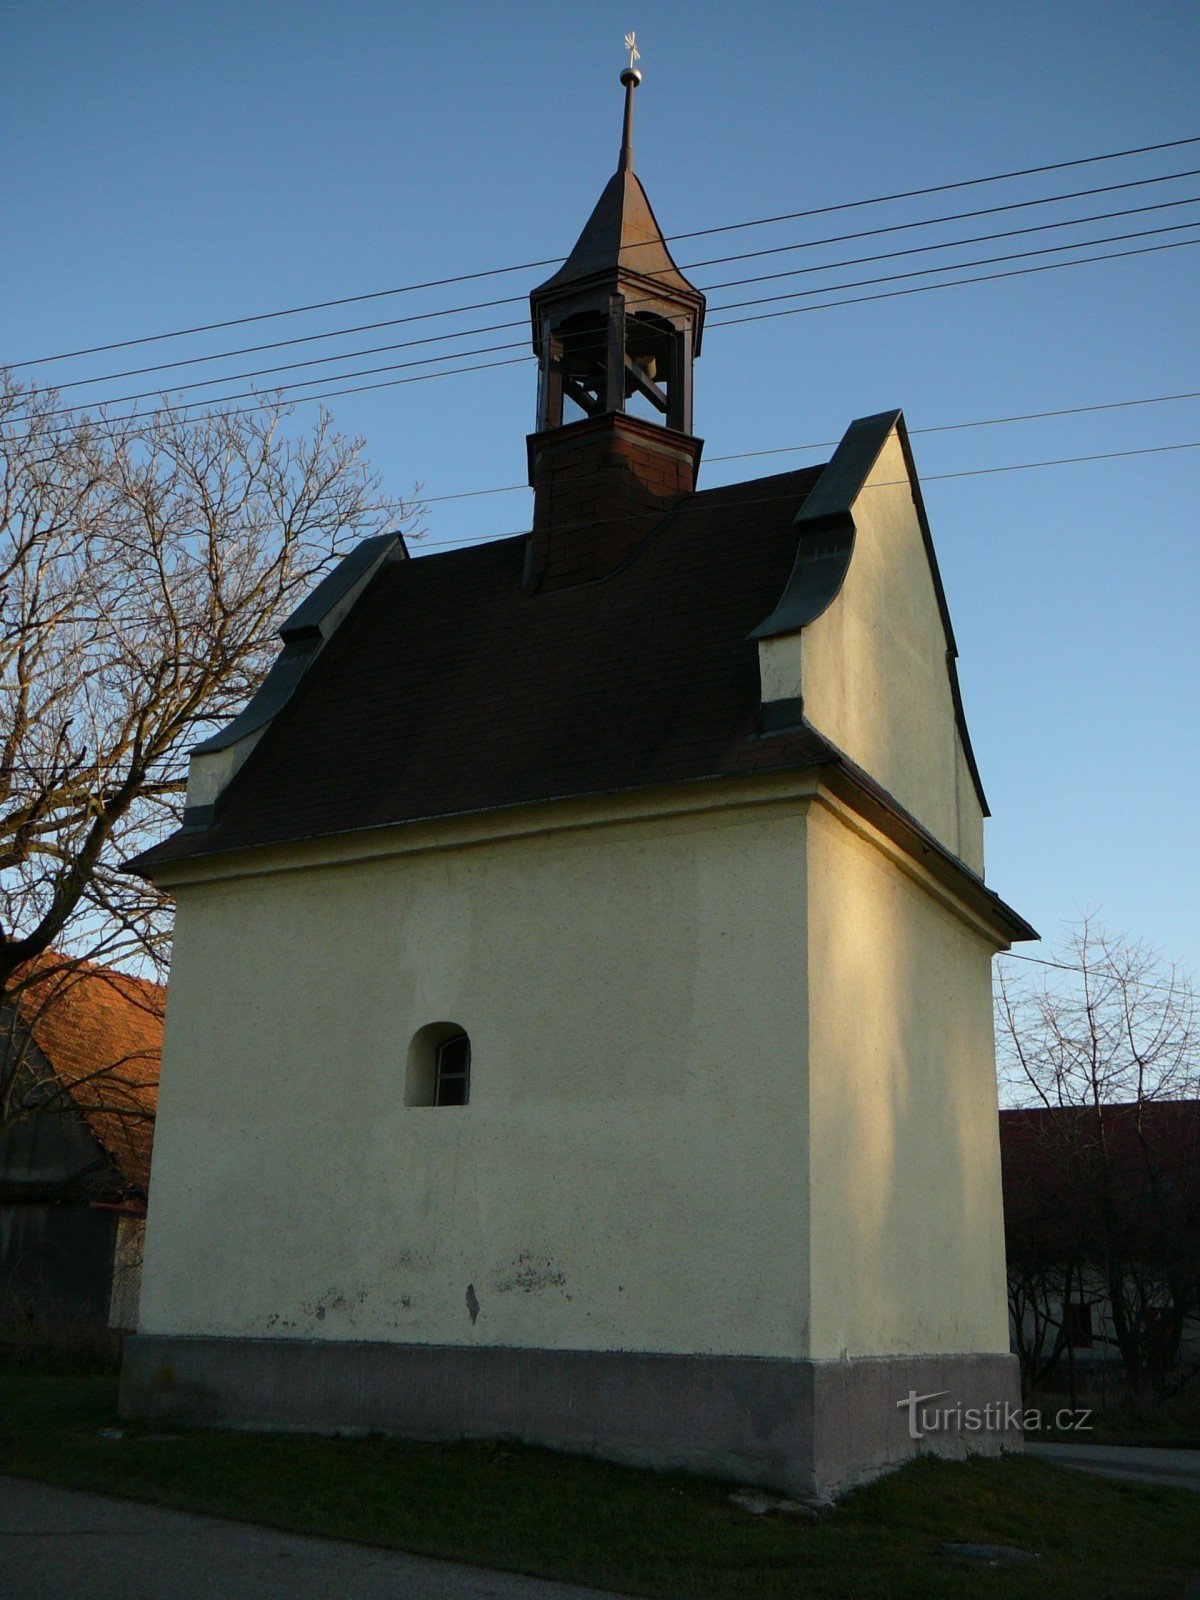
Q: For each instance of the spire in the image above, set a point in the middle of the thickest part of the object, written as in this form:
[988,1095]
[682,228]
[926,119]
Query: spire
[631,77]
[622,238]
[622,234]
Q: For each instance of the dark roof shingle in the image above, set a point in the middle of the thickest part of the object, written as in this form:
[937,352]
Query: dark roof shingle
[450,690]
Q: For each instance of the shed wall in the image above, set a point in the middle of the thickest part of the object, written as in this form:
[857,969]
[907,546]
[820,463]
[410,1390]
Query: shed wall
[56,1261]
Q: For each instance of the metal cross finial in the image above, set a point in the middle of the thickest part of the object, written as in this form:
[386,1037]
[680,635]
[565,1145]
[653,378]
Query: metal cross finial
[630,77]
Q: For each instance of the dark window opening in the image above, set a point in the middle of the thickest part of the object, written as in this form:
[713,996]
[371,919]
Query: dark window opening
[649,365]
[452,1072]
[584,343]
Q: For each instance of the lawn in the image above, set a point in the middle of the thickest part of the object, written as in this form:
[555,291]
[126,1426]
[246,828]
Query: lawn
[637,1532]
[1167,1422]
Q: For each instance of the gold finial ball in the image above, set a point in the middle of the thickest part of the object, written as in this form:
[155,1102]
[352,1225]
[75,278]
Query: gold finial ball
[631,76]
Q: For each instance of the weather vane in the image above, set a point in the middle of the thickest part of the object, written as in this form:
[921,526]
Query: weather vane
[635,54]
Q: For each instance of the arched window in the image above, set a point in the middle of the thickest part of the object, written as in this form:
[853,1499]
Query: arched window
[439,1066]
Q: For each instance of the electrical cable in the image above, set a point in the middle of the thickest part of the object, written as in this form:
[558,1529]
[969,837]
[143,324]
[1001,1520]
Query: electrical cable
[954,266]
[259,372]
[469,277]
[724,322]
[830,444]
[984,277]
[891,483]
[495,327]
[956,216]
[1183,989]
[808,244]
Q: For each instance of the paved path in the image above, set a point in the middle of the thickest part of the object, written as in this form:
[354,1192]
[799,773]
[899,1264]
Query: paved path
[1174,1469]
[56,1543]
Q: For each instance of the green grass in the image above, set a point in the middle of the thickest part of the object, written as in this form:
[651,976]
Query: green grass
[1170,1422]
[637,1532]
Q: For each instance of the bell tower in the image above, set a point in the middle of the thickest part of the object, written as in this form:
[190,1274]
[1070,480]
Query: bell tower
[616,330]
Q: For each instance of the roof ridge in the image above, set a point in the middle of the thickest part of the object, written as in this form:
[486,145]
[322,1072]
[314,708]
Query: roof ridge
[814,470]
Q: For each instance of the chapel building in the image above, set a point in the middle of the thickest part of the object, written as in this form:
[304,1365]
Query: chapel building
[580,1025]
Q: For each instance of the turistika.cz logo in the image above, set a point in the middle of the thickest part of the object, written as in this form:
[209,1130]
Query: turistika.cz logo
[998,1416]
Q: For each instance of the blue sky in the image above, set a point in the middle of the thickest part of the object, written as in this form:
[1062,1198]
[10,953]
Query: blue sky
[168,165]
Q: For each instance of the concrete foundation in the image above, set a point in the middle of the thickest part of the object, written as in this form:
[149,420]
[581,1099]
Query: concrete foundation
[796,1427]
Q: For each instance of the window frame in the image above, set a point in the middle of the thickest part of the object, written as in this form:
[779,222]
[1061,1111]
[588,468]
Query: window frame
[453,1078]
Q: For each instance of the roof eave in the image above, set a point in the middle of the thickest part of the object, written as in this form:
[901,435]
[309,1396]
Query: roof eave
[843,777]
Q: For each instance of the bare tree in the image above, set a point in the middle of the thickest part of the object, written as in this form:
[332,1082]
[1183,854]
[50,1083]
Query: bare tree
[145,565]
[1102,1186]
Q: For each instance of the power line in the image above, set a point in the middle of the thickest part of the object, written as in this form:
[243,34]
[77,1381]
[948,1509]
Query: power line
[985,277]
[807,244]
[1061,411]
[463,333]
[829,444]
[1060,461]
[525,266]
[954,216]
[945,244]
[956,266]
[1182,989]
[891,483]
[724,322]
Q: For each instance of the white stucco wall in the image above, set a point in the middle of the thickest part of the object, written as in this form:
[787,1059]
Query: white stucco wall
[630,1170]
[907,1251]
[872,667]
[670,1146]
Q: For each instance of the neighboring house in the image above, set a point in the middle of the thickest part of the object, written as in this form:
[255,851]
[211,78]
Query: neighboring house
[1086,1186]
[581,1015]
[79,1051]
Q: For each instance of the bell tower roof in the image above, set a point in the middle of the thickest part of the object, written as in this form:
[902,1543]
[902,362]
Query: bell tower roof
[616,331]
[623,234]
[621,244]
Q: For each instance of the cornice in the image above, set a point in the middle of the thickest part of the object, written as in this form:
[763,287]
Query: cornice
[868,813]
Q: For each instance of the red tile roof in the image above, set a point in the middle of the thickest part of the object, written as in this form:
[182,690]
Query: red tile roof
[101,1032]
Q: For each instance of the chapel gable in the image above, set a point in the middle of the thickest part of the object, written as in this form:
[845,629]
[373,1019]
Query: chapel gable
[860,645]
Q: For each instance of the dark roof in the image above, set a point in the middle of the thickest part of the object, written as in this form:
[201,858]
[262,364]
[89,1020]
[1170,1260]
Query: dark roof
[305,633]
[449,690]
